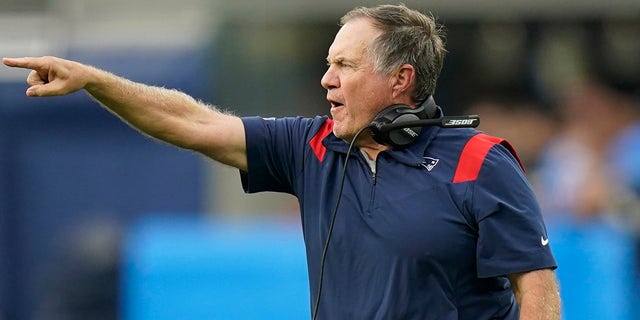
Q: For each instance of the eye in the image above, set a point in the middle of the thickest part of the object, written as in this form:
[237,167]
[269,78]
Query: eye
[340,62]
[347,66]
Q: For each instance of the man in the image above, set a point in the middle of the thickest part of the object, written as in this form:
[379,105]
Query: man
[444,228]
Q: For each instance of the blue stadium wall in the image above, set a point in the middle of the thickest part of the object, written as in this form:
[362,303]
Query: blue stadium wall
[67,164]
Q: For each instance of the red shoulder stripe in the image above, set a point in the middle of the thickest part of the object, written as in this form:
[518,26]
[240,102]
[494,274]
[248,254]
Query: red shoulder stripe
[474,153]
[316,141]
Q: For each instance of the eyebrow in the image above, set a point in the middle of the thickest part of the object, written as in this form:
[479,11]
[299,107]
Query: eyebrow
[340,60]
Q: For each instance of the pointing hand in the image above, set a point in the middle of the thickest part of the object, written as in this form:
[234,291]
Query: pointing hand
[50,76]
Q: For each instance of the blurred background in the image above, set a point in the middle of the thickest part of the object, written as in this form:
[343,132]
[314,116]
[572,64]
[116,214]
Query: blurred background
[100,222]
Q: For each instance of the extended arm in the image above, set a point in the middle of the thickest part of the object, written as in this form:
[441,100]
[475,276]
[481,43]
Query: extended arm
[537,294]
[165,114]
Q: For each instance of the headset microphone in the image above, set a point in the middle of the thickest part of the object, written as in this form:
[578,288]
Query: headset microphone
[466,121]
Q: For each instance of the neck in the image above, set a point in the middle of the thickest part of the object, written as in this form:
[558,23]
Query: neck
[370,147]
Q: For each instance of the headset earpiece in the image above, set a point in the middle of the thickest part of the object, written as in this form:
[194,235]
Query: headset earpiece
[397,114]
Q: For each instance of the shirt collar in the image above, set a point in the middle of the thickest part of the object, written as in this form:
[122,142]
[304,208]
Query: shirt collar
[411,155]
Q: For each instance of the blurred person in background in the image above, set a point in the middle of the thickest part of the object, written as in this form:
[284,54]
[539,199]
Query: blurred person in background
[419,234]
[527,125]
[585,170]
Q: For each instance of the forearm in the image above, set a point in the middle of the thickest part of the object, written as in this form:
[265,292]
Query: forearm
[540,304]
[165,114]
[537,295]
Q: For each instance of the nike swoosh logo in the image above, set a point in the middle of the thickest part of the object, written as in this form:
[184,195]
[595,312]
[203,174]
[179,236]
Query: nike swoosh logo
[544,241]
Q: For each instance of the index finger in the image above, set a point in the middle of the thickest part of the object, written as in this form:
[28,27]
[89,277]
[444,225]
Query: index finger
[27,62]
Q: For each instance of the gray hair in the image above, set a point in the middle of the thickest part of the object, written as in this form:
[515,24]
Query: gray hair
[408,37]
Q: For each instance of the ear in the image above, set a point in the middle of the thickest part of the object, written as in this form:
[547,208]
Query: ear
[403,80]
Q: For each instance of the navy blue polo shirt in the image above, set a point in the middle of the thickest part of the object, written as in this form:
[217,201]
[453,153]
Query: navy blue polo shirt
[430,235]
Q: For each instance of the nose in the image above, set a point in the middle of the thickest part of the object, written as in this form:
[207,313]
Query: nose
[330,79]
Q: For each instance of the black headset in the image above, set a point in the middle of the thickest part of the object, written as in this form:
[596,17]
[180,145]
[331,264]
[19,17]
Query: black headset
[398,115]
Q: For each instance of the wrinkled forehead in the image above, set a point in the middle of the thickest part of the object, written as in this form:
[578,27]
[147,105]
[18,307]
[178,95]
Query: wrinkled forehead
[354,38]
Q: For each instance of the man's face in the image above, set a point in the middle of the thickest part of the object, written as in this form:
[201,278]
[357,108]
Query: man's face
[356,93]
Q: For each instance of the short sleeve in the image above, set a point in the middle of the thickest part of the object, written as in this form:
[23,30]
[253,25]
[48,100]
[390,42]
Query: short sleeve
[512,234]
[274,153]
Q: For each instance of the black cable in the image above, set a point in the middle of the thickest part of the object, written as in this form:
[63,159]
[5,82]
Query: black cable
[333,219]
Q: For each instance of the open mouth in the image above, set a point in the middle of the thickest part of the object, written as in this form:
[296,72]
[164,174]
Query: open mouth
[335,104]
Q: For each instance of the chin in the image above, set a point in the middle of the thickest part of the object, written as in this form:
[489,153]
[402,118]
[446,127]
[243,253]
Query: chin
[340,133]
